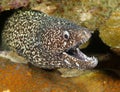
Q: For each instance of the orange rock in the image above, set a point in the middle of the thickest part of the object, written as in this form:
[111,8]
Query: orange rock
[24,78]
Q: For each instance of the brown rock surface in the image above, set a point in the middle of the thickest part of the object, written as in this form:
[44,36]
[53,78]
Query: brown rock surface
[24,78]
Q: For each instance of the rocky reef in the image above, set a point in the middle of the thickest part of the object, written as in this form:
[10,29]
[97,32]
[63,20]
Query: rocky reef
[23,78]
[110,31]
[102,17]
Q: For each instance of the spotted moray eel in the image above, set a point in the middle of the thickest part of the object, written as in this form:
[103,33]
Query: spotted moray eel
[47,42]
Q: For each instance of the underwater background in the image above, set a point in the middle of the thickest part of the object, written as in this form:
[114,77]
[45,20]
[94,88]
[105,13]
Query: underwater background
[102,17]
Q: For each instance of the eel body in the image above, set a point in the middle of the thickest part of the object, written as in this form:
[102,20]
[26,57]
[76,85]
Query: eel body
[47,42]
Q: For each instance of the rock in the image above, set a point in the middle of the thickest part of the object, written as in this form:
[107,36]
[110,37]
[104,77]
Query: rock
[116,50]
[86,12]
[16,77]
[46,7]
[21,78]
[89,13]
[13,4]
[110,31]
[97,82]
[72,72]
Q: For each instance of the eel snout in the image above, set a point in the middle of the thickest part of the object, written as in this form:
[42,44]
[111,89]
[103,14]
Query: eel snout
[77,58]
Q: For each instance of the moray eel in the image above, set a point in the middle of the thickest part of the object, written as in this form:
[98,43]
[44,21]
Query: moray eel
[46,41]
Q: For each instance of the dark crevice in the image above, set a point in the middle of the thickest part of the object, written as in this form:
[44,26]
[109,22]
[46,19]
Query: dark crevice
[96,45]
[3,17]
[108,60]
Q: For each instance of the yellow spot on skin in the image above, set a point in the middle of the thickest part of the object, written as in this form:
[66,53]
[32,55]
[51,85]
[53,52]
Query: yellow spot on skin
[65,43]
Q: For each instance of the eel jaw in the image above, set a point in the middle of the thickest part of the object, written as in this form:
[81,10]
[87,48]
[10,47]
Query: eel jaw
[80,58]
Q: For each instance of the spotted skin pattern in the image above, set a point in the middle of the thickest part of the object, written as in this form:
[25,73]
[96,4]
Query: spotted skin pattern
[43,39]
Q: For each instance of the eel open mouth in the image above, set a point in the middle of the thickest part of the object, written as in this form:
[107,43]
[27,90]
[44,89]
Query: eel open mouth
[90,62]
[75,52]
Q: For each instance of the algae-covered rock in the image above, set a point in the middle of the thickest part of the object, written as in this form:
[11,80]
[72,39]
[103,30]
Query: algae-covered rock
[89,13]
[13,4]
[110,31]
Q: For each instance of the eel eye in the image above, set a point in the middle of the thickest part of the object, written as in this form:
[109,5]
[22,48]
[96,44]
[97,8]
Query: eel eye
[66,35]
